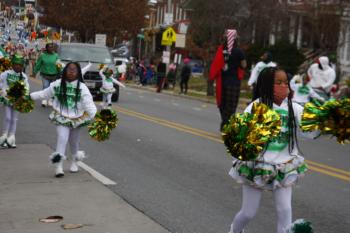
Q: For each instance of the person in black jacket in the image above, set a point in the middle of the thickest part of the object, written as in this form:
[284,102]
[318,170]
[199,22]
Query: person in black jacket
[185,76]
[161,72]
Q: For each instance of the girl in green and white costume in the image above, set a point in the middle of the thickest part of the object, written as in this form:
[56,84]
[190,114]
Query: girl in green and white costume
[73,108]
[281,165]
[7,79]
[107,88]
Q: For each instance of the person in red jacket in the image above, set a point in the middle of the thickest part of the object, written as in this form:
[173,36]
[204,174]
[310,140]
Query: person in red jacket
[227,69]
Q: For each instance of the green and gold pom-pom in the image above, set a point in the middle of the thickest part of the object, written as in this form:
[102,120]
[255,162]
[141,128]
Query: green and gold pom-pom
[332,118]
[246,135]
[16,91]
[24,105]
[5,64]
[104,122]
[300,226]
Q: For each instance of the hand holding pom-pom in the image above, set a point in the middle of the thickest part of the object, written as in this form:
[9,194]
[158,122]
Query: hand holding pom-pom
[246,135]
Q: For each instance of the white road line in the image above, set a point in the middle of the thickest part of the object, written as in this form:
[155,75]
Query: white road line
[141,96]
[157,100]
[98,176]
[175,104]
[197,109]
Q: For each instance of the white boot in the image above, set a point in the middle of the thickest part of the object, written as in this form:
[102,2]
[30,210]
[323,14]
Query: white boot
[3,140]
[11,141]
[57,160]
[74,168]
[49,102]
[79,156]
[44,103]
[59,169]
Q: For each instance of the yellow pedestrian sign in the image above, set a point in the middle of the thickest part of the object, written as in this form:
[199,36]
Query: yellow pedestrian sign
[169,36]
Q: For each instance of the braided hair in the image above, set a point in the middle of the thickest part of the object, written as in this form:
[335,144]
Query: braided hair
[62,95]
[265,93]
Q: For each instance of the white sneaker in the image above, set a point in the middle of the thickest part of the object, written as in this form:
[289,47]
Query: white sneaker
[80,156]
[74,168]
[3,140]
[44,103]
[11,141]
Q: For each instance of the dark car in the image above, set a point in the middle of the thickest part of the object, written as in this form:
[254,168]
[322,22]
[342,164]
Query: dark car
[84,53]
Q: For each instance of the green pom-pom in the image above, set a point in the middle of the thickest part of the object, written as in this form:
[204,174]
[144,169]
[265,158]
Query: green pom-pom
[301,226]
[104,122]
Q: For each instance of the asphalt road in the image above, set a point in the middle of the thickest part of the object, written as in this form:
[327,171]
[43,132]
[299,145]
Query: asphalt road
[168,161]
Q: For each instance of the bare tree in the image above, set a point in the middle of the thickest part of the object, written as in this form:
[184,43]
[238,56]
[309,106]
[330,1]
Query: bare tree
[88,17]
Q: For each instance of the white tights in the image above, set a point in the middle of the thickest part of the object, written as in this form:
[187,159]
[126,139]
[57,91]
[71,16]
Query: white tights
[10,121]
[65,134]
[107,98]
[250,205]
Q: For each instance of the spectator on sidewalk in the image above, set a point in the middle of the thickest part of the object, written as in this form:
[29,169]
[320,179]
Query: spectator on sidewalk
[185,76]
[266,61]
[227,69]
[322,77]
[161,71]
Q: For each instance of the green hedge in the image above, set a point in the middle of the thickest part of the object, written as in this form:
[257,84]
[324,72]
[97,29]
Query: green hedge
[287,55]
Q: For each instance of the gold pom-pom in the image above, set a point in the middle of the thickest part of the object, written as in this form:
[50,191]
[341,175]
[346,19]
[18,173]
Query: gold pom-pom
[246,135]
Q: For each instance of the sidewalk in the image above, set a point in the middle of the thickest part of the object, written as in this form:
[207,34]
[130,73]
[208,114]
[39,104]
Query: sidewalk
[29,192]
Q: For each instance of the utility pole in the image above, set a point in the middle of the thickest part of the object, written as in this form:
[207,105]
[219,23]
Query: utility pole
[168,48]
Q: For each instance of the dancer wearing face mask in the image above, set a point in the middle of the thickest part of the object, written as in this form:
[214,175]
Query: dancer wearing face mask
[281,164]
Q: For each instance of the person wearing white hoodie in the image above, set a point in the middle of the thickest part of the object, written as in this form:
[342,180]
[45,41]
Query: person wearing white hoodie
[322,76]
[73,108]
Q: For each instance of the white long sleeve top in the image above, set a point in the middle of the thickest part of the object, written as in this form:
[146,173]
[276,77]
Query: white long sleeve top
[277,151]
[303,93]
[107,83]
[85,103]
[257,69]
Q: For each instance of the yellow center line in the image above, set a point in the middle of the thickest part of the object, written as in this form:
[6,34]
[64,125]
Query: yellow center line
[314,166]
[217,136]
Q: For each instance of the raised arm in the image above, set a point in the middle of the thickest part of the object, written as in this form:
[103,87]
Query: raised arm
[43,94]
[85,69]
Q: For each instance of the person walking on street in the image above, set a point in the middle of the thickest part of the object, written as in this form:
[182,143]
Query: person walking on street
[73,108]
[8,79]
[279,167]
[266,61]
[46,64]
[161,71]
[185,76]
[227,69]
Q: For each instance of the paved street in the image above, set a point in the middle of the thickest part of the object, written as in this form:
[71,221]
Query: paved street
[168,161]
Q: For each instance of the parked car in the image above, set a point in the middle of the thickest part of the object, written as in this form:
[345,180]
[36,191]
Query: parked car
[84,53]
[196,66]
